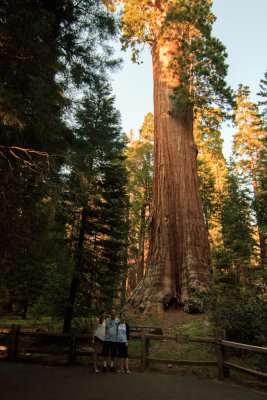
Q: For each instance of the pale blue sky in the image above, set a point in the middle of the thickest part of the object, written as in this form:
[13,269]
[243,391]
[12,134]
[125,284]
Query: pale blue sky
[241,26]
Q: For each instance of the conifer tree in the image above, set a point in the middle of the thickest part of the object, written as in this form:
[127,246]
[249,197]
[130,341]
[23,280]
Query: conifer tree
[212,168]
[98,197]
[238,247]
[262,172]
[140,166]
[188,68]
[63,49]
[31,98]
[263,94]
[247,146]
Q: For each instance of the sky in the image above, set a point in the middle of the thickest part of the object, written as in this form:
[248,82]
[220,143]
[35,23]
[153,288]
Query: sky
[241,26]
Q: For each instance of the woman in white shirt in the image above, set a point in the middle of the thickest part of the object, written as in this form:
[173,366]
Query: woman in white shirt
[122,343]
[99,333]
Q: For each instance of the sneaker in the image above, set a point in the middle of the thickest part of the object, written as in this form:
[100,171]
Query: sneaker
[121,370]
[95,370]
[112,369]
[104,369]
[128,371]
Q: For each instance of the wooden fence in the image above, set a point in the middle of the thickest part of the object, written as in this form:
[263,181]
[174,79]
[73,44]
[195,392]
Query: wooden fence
[145,334]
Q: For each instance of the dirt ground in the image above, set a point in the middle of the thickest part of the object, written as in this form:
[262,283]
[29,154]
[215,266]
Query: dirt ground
[169,319]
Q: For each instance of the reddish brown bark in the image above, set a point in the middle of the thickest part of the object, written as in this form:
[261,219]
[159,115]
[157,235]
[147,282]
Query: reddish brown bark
[178,262]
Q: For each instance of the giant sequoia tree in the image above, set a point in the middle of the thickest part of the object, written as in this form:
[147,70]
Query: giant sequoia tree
[188,68]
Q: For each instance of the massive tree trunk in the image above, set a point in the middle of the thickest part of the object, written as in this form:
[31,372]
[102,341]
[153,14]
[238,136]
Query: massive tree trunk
[178,262]
[141,244]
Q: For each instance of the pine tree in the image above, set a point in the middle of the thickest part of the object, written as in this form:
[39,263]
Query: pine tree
[31,98]
[234,256]
[212,169]
[63,49]
[140,166]
[261,200]
[263,94]
[247,146]
[98,197]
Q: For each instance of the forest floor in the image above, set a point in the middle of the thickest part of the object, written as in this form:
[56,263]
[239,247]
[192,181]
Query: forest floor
[176,321]
[171,318]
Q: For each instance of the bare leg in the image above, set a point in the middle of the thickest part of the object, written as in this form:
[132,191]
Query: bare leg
[96,352]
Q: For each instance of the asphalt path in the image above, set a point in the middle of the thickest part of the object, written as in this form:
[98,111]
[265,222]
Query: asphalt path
[37,382]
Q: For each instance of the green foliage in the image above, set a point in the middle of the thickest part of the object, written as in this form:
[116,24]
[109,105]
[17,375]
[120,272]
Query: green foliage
[84,325]
[192,330]
[139,164]
[242,314]
[44,157]
[247,141]
[248,149]
[207,189]
[234,254]
[237,231]
[263,94]
[260,202]
[31,98]
[98,193]
[199,60]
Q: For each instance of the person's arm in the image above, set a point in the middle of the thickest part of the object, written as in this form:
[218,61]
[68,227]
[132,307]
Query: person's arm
[127,333]
[95,326]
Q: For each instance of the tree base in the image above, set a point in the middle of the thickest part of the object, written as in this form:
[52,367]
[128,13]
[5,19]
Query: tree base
[193,306]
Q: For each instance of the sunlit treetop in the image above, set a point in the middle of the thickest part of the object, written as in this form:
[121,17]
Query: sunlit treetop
[248,140]
[199,58]
[263,94]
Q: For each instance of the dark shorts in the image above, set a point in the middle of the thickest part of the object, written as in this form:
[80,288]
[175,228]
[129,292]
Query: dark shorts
[98,341]
[122,350]
[109,348]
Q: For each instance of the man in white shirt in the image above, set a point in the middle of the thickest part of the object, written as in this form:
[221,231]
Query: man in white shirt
[110,343]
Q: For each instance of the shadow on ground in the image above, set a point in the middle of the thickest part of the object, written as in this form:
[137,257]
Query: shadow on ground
[37,382]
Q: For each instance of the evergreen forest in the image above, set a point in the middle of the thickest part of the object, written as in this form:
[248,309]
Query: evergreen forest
[78,211]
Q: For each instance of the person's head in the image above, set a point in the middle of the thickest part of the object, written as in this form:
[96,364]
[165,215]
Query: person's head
[113,314]
[102,316]
[122,317]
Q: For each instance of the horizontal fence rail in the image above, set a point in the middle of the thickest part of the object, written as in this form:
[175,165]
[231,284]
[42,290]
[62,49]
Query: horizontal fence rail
[242,346]
[143,333]
[247,347]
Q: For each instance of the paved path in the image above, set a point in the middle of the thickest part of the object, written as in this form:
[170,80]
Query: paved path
[37,382]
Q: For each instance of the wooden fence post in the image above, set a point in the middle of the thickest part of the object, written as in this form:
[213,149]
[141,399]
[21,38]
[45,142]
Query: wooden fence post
[13,344]
[220,357]
[143,349]
[225,353]
[72,355]
[147,352]
[223,371]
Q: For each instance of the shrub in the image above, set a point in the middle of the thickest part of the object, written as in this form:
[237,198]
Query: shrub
[242,314]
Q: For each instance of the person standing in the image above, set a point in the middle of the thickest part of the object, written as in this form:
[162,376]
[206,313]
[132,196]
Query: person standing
[99,334]
[123,340]
[110,343]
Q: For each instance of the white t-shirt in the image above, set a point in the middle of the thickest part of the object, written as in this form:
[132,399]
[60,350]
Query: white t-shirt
[122,333]
[100,332]
[111,329]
